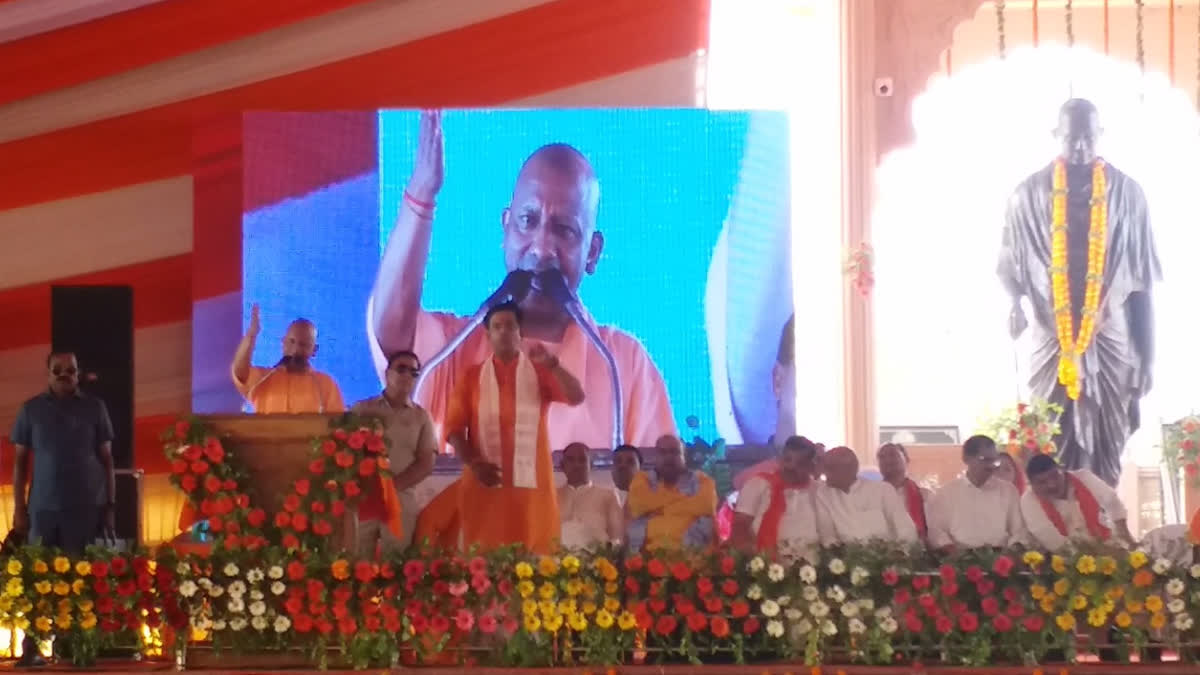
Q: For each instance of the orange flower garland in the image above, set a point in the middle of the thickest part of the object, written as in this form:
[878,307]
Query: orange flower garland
[1072,344]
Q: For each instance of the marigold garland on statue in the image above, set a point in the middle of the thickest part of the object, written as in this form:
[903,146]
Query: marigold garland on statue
[1074,344]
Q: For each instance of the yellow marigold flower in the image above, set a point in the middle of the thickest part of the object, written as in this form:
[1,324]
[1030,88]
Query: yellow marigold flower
[532,623]
[578,623]
[1138,559]
[612,588]
[574,587]
[626,621]
[1124,620]
[589,589]
[546,607]
[607,570]
[1107,565]
[1062,587]
[1133,606]
[566,607]
[1048,604]
[1097,618]
[61,588]
[1158,621]
[78,586]
[604,619]
[43,624]
[340,569]
[63,621]
[1037,591]
[14,588]
[44,606]
[85,605]
[6,604]
[547,590]
[24,606]
[87,621]
[40,567]
[547,566]
[1033,558]
[589,607]
[611,605]
[64,606]
[1086,564]
[1065,621]
[524,570]
[83,568]
[1154,604]
[1115,593]
[1079,602]
[553,623]
[525,588]
[1058,564]
[571,564]
[14,566]
[62,565]
[42,587]
[529,607]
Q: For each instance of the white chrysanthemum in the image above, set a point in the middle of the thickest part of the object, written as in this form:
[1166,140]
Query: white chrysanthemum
[849,609]
[216,590]
[231,569]
[275,572]
[278,588]
[837,566]
[818,609]
[793,614]
[188,588]
[889,625]
[1194,571]
[1175,587]
[775,628]
[238,623]
[237,589]
[883,613]
[804,627]
[754,592]
[769,608]
[859,576]
[1161,566]
[1176,606]
[183,569]
[259,623]
[810,593]
[255,575]
[258,608]
[856,627]
[756,565]
[835,593]
[866,604]
[775,572]
[256,594]
[808,574]
[829,628]
[784,600]
[218,625]
[204,582]
[282,624]
[1183,622]
[237,605]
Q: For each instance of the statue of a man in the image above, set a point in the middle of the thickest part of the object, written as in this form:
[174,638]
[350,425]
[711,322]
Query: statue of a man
[1077,244]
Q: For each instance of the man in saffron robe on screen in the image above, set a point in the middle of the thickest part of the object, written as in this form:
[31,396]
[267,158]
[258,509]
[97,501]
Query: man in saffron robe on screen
[292,385]
[1065,507]
[1078,245]
[673,507]
[497,426]
[776,510]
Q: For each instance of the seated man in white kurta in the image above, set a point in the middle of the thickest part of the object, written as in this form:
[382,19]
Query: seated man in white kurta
[1062,507]
[776,510]
[591,516]
[850,510]
[978,509]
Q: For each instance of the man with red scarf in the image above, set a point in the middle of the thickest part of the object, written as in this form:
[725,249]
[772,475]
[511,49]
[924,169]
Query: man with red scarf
[978,509]
[892,459]
[1062,507]
[775,509]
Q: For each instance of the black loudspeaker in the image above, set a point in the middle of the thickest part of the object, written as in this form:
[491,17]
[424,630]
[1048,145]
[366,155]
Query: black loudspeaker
[96,322]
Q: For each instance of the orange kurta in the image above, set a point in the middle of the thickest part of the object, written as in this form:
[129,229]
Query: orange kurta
[505,515]
[293,393]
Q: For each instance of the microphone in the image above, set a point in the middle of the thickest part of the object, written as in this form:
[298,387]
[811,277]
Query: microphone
[550,282]
[514,288]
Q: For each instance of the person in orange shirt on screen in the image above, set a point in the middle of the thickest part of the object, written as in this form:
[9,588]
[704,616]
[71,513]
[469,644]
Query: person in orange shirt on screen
[497,426]
[549,224]
[292,386]
[674,507]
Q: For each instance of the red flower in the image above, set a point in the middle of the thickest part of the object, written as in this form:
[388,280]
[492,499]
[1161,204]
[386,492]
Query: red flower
[739,608]
[948,574]
[243,501]
[232,542]
[990,606]
[658,605]
[440,588]
[419,623]
[295,570]
[487,624]
[294,605]
[926,600]
[365,571]
[179,466]
[216,524]
[337,508]
[729,587]
[477,566]
[283,519]
[212,483]
[681,571]
[665,625]
[414,569]
[256,517]
[316,467]
[634,564]
[1016,611]
[99,569]
[1002,623]
[224,505]
[504,588]
[631,585]
[439,624]
[656,588]
[727,565]
[683,606]
[302,486]
[1021,408]
[299,522]
[913,623]
[351,489]
[943,624]
[720,627]
[901,596]
[949,589]
[958,608]
[697,622]
[322,527]
[104,603]
[344,459]
[126,588]
[435,567]
[464,620]
[181,430]
[968,622]
[188,483]
[1003,566]
[480,583]
[102,589]
[199,467]
[375,444]
[303,623]
[985,587]
[392,624]
[347,626]
[340,434]
[656,568]
[974,574]
[1033,623]
[750,625]
[328,448]
[119,566]
[324,627]
[291,503]
[213,451]
[704,586]
[290,541]
[890,576]
[372,624]
[921,583]
[713,605]
[366,468]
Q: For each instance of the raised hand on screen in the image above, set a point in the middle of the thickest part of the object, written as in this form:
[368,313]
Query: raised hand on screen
[255,326]
[541,356]
[430,168]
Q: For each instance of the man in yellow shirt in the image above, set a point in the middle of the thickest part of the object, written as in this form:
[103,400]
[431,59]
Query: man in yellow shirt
[674,507]
[292,385]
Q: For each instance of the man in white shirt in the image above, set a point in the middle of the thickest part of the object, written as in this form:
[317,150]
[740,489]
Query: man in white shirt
[978,509]
[776,510]
[1062,507]
[591,516]
[850,510]
[626,463]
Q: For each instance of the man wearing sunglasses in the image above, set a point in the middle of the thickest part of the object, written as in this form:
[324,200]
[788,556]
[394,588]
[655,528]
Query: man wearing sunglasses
[74,486]
[412,447]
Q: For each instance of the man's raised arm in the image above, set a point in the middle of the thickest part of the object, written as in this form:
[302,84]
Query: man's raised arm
[396,298]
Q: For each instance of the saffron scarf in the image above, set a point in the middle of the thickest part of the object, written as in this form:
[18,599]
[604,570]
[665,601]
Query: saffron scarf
[698,535]
[916,506]
[1087,505]
[768,529]
[525,430]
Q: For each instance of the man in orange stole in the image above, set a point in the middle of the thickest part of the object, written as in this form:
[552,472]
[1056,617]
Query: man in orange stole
[776,509]
[1062,507]
[496,423]
[292,386]
[892,459]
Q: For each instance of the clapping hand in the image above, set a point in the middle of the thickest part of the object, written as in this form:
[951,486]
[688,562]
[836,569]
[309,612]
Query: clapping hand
[541,356]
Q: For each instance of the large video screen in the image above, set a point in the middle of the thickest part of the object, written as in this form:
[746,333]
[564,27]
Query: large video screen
[672,227]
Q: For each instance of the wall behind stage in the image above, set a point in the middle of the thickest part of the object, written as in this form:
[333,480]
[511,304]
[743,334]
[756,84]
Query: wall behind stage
[694,208]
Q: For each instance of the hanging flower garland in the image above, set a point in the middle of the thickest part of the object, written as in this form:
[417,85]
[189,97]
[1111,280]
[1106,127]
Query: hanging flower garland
[859,266]
[1074,344]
